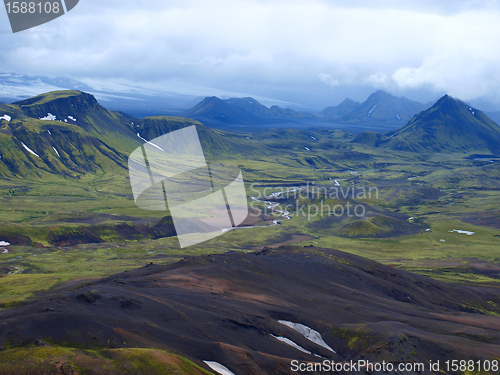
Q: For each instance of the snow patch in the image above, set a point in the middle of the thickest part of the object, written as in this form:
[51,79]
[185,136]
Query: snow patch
[308,149]
[442,240]
[4,243]
[65,120]
[371,110]
[223,370]
[4,251]
[30,150]
[462,232]
[49,117]
[308,333]
[399,118]
[56,151]
[6,117]
[312,137]
[247,137]
[152,144]
[335,183]
[48,131]
[72,118]
[291,343]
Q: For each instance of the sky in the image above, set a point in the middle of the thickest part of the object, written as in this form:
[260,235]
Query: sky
[313,53]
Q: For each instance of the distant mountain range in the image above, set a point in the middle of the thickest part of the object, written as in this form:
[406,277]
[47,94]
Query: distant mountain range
[217,112]
[379,107]
[69,133]
[450,125]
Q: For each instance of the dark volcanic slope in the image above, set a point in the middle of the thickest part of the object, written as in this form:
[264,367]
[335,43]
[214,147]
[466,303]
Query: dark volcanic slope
[225,308]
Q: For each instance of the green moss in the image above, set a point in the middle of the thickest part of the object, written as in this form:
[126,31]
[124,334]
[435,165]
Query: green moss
[49,359]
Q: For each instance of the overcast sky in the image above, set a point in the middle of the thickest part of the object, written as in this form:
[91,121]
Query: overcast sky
[310,52]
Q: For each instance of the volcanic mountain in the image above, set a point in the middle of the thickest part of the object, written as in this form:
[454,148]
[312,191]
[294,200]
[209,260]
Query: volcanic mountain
[64,132]
[82,109]
[342,109]
[216,112]
[253,106]
[254,313]
[450,125]
[213,111]
[379,107]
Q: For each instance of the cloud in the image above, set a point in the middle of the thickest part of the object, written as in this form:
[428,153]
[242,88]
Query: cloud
[328,79]
[270,47]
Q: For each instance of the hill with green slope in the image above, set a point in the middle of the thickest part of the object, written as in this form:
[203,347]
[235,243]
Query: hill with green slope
[83,110]
[64,133]
[32,147]
[449,126]
[214,142]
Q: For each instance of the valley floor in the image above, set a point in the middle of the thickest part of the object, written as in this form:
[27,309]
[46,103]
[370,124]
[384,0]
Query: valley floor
[436,215]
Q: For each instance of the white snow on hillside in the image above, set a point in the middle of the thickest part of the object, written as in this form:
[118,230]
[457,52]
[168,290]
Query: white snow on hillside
[30,150]
[72,118]
[462,232]
[371,110]
[217,367]
[291,343]
[308,333]
[49,117]
[6,117]
[56,151]
[152,144]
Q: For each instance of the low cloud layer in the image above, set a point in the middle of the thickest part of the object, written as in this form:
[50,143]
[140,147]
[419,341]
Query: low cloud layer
[306,52]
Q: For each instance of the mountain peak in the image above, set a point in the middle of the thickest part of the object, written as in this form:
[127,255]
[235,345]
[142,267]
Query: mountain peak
[211,99]
[71,95]
[381,93]
[380,106]
[449,125]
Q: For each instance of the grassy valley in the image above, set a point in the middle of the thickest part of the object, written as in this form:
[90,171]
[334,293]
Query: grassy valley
[70,219]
